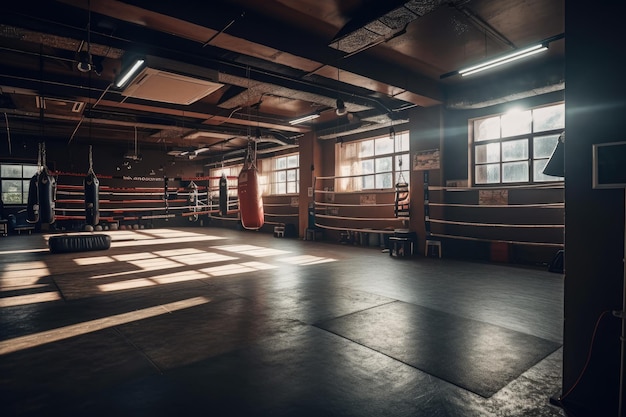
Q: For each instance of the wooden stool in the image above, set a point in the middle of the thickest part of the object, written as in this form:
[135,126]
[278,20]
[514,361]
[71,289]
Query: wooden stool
[436,244]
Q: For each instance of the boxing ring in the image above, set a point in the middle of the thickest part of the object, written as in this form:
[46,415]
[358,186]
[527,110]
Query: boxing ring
[356,214]
[132,202]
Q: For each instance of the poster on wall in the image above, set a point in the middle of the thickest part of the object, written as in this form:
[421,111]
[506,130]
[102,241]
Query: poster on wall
[295,202]
[493,197]
[368,199]
[425,160]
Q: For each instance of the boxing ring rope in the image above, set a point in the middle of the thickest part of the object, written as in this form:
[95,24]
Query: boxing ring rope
[482,227]
[372,213]
[164,202]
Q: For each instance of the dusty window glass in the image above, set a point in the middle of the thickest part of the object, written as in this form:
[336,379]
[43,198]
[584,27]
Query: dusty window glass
[515,150]
[368,182]
[366,148]
[543,146]
[549,118]
[383,146]
[488,174]
[487,153]
[367,166]
[488,128]
[516,123]
[384,180]
[383,164]
[515,171]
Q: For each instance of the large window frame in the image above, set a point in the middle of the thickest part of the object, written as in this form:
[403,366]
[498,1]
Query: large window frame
[15,182]
[280,175]
[513,148]
[375,163]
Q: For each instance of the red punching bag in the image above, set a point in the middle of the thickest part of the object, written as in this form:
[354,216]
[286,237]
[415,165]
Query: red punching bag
[250,199]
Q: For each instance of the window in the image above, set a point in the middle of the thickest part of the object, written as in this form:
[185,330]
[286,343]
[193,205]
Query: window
[15,180]
[281,175]
[376,163]
[516,146]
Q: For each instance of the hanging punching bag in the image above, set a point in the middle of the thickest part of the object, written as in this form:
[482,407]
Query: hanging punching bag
[47,196]
[92,200]
[32,207]
[192,199]
[223,195]
[250,199]
[91,186]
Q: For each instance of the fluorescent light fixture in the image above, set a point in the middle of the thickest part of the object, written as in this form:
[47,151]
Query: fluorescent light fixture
[304,119]
[514,56]
[130,72]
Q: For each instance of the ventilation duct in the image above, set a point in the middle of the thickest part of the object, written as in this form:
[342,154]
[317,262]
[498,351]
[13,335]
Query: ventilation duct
[371,28]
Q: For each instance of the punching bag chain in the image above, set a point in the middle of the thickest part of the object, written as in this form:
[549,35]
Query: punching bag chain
[90,160]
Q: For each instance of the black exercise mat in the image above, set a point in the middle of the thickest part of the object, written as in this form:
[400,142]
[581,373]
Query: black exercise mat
[477,356]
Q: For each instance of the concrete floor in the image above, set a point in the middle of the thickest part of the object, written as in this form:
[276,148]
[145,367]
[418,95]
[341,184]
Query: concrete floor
[215,322]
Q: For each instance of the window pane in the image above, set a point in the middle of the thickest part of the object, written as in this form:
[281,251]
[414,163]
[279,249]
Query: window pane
[367,167]
[383,146]
[366,148]
[281,163]
[11,171]
[291,187]
[548,118]
[543,146]
[29,171]
[488,174]
[515,150]
[402,162]
[368,182]
[291,175]
[538,174]
[384,164]
[515,172]
[402,142]
[11,186]
[281,188]
[487,153]
[516,123]
[384,180]
[292,161]
[281,176]
[13,198]
[485,129]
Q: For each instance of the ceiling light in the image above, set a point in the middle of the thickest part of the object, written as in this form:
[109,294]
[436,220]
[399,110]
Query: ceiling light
[341,108]
[504,59]
[130,72]
[514,56]
[304,119]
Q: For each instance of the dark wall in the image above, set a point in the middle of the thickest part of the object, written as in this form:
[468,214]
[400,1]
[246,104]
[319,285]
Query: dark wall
[594,219]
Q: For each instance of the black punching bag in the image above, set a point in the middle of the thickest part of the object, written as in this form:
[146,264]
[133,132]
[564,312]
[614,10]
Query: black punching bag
[92,200]
[223,194]
[32,207]
[47,196]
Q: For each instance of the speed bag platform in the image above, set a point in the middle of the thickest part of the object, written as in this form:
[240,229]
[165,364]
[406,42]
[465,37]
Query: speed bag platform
[78,243]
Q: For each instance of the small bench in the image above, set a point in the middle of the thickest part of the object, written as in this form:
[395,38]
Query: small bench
[78,243]
[400,246]
[279,231]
